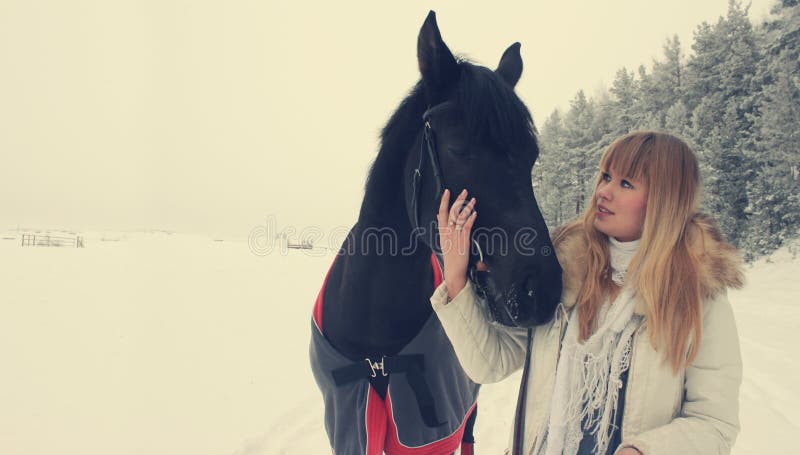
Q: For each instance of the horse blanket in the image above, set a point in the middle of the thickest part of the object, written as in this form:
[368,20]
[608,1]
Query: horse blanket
[429,400]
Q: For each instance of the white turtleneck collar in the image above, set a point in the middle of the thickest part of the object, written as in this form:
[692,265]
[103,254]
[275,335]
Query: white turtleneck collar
[621,255]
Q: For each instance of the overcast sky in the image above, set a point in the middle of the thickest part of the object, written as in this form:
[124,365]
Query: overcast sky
[212,116]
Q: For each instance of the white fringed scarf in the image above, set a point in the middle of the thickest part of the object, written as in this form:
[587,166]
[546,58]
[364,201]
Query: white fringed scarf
[588,374]
[621,255]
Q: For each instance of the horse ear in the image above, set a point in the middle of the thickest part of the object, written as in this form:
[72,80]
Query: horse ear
[437,65]
[510,66]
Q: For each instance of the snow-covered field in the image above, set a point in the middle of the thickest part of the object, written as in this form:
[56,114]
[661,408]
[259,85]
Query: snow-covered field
[163,344]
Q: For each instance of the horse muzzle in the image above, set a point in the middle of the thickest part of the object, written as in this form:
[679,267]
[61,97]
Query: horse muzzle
[525,303]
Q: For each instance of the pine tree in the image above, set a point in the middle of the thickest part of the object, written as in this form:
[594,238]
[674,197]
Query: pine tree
[556,179]
[677,120]
[581,141]
[723,66]
[773,191]
[623,105]
[664,85]
[651,115]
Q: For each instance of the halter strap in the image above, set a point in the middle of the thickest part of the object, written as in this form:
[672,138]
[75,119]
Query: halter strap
[427,148]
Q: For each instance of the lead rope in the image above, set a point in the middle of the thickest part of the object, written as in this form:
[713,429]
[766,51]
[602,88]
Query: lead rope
[519,419]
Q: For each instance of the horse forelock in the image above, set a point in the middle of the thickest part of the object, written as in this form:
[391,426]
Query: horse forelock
[493,113]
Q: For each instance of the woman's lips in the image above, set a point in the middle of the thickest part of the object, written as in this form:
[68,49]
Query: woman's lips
[603,211]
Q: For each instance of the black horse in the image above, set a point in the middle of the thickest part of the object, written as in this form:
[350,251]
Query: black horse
[461,126]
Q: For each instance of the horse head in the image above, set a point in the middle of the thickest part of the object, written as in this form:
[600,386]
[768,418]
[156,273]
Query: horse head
[476,133]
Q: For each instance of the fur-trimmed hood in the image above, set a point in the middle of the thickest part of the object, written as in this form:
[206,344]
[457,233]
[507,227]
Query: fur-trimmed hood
[720,265]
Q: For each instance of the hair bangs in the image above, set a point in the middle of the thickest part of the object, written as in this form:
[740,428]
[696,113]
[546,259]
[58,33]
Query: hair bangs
[629,155]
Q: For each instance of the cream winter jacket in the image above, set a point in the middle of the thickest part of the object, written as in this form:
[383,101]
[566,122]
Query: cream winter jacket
[693,412]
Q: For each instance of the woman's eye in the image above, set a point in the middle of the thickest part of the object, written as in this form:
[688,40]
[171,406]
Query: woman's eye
[606,177]
[626,184]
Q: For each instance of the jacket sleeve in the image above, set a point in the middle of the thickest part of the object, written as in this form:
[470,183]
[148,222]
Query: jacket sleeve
[708,422]
[488,352]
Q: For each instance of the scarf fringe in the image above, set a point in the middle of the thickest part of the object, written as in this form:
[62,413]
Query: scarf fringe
[588,382]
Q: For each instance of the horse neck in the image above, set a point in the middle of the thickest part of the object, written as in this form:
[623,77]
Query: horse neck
[383,212]
[386,251]
[380,299]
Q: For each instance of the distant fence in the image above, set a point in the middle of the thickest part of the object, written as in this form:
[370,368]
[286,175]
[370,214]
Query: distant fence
[51,240]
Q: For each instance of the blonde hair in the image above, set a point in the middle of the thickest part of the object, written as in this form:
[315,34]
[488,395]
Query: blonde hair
[664,272]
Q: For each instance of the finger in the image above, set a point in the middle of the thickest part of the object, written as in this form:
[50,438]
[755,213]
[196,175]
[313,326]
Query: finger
[467,208]
[463,234]
[466,227]
[465,212]
[456,208]
[462,196]
[470,222]
[443,205]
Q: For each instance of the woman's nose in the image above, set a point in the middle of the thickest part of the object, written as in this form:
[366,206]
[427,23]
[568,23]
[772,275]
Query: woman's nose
[604,193]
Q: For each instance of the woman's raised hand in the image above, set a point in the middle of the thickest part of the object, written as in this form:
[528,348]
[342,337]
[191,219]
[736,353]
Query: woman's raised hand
[455,226]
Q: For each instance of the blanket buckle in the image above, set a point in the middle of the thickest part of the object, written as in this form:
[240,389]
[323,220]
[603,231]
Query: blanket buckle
[376,366]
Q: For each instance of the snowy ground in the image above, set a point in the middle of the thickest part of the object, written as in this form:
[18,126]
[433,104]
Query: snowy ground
[162,344]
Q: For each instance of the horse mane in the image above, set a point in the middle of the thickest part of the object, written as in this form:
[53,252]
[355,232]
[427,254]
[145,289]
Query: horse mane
[492,113]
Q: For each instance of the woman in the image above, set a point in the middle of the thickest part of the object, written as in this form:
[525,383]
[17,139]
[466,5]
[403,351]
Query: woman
[642,355]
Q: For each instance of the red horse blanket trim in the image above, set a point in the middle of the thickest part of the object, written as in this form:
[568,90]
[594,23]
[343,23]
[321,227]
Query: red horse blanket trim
[383,438]
[445,445]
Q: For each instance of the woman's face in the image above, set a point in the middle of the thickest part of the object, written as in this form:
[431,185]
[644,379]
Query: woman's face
[621,206]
